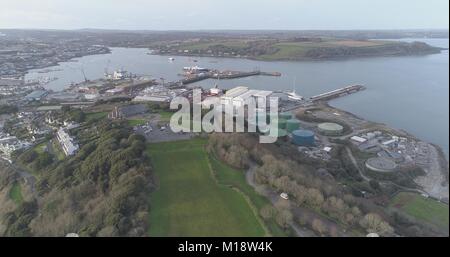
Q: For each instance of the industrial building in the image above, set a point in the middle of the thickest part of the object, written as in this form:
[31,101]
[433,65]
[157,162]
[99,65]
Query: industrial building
[36,95]
[240,96]
[67,143]
[330,129]
[158,94]
[303,137]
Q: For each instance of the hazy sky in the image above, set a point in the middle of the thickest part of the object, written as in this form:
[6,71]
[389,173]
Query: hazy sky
[225,14]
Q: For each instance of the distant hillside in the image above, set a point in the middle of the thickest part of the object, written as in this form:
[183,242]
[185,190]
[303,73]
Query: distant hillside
[298,48]
[348,49]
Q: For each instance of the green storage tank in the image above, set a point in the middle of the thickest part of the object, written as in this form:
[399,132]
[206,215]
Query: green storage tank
[285,115]
[281,122]
[281,133]
[292,124]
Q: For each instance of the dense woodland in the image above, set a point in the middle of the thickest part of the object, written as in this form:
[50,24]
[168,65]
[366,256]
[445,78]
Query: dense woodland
[101,191]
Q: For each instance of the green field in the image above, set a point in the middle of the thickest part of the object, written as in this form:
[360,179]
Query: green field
[165,115]
[422,208]
[189,201]
[233,43]
[94,116]
[236,178]
[15,193]
[136,122]
[57,150]
[40,148]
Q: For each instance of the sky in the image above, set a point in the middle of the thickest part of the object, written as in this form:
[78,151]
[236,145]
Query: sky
[225,14]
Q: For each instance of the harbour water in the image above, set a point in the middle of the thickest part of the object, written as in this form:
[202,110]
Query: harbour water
[410,93]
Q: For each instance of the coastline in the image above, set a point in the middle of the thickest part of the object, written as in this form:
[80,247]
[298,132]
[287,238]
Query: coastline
[303,59]
[437,169]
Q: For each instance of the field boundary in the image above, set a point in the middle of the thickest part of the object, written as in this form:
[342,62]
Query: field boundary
[246,197]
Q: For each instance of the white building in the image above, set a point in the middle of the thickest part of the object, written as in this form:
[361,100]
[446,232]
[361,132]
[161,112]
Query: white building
[10,144]
[358,139]
[67,144]
[240,96]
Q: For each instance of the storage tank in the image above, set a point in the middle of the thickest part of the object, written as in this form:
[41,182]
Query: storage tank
[281,133]
[280,121]
[285,115]
[330,129]
[303,137]
[292,124]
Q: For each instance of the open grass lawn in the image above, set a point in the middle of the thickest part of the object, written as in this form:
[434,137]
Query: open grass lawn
[94,116]
[236,178]
[189,201]
[165,115]
[41,148]
[57,150]
[422,208]
[136,122]
[16,193]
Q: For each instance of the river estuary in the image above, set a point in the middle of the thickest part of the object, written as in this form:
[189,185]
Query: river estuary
[410,93]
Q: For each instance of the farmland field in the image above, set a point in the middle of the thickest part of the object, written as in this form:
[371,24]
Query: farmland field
[422,208]
[189,201]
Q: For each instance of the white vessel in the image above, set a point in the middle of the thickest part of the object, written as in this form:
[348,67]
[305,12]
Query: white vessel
[293,95]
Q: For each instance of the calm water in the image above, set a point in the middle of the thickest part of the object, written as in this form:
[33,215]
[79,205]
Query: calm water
[410,93]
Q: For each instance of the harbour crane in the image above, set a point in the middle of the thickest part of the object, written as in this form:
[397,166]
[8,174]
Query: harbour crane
[84,75]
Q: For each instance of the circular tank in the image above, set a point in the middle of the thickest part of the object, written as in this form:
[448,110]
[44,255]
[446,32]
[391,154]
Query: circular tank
[303,137]
[330,129]
[280,121]
[281,133]
[381,164]
[285,115]
[292,124]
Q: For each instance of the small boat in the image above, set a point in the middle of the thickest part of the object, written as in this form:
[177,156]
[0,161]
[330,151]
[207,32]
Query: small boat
[293,95]
[171,59]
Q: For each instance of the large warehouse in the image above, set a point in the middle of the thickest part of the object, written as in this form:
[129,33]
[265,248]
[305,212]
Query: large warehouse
[239,96]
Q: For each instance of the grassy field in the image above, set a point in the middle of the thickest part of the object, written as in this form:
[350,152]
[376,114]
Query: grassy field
[290,50]
[236,178]
[234,43]
[422,208]
[57,150]
[16,193]
[165,115]
[136,122]
[189,201]
[40,148]
[94,116]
